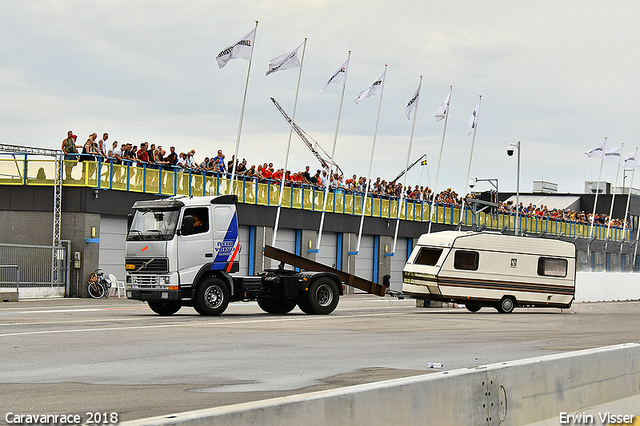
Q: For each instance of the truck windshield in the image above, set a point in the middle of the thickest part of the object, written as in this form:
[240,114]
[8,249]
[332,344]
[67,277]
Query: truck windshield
[153,225]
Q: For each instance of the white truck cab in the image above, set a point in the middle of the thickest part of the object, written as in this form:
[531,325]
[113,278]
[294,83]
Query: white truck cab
[184,251]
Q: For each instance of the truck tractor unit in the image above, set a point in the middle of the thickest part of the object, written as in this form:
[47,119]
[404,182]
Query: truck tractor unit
[184,251]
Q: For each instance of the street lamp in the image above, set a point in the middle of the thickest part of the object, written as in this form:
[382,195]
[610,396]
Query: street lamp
[510,150]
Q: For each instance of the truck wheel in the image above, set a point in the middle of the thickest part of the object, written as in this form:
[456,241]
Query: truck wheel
[322,296]
[212,297]
[164,308]
[276,306]
[471,307]
[303,304]
[506,305]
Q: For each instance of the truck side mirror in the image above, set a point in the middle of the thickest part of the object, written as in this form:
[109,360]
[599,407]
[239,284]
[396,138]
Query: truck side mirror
[129,222]
[187,225]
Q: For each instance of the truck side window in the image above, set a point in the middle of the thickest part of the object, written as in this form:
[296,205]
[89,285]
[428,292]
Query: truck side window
[200,219]
[428,256]
[467,260]
[549,267]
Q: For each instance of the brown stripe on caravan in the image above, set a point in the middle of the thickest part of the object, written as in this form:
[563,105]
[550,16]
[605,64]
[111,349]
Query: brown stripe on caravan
[508,285]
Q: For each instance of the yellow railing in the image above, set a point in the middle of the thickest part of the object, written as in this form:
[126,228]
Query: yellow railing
[153,180]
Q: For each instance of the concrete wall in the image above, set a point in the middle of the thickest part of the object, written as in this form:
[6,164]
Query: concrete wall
[607,286]
[534,391]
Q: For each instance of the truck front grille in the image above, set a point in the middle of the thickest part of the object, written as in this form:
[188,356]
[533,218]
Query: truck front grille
[141,265]
[149,281]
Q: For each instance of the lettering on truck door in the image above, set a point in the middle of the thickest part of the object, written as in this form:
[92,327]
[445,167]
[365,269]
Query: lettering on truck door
[225,239]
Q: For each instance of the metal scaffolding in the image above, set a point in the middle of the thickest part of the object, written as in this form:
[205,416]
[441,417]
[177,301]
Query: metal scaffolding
[58,156]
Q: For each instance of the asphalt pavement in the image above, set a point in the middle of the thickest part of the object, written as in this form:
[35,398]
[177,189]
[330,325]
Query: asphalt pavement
[84,356]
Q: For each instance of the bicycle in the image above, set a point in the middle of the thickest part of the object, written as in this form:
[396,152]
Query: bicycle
[99,287]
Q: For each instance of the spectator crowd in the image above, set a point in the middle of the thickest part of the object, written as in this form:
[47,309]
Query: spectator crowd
[152,156]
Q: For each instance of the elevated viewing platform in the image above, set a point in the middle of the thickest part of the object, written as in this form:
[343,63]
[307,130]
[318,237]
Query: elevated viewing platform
[26,169]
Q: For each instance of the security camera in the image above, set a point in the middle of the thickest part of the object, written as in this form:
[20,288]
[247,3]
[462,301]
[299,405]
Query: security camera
[472,183]
[510,151]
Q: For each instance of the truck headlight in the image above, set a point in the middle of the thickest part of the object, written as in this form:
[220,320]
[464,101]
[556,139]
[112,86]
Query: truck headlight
[166,279]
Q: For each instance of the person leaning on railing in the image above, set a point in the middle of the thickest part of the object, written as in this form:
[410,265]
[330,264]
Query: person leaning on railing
[70,150]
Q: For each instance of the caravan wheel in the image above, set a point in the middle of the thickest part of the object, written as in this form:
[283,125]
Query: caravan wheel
[471,307]
[506,305]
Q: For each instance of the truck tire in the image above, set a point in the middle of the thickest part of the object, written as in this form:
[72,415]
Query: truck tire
[322,297]
[212,297]
[276,306]
[506,305]
[164,308]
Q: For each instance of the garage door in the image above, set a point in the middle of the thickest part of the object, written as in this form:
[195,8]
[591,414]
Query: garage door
[113,233]
[286,240]
[364,259]
[327,255]
[398,261]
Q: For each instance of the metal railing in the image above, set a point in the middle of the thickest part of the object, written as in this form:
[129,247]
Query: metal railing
[17,268]
[35,264]
[172,181]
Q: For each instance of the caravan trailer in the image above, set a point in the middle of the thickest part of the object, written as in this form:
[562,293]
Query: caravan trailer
[480,269]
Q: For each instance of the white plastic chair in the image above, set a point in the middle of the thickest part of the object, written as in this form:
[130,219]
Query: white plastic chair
[117,285]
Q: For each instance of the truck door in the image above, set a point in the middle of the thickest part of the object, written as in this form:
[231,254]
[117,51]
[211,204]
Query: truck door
[195,248]
[225,236]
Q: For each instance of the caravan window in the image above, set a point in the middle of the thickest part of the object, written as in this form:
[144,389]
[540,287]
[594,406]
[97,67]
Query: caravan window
[467,260]
[428,256]
[552,267]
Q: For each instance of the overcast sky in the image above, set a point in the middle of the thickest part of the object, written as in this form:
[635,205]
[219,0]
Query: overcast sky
[558,75]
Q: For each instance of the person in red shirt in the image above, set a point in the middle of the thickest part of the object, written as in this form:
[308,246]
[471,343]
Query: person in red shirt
[267,174]
[143,154]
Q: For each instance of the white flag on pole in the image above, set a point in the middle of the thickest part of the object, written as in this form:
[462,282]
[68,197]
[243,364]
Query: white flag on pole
[596,152]
[613,155]
[473,120]
[240,49]
[444,109]
[339,76]
[630,161]
[413,101]
[285,62]
[374,88]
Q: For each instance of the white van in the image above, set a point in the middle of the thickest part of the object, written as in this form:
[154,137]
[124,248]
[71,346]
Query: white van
[490,269]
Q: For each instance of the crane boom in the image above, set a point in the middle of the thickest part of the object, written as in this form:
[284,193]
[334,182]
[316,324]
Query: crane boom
[315,148]
[408,168]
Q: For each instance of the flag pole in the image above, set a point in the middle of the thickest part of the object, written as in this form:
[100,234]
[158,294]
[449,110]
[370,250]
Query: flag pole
[635,250]
[613,197]
[333,151]
[244,100]
[626,209]
[286,161]
[595,203]
[373,147]
[466,182]
[444,131]
[406,167]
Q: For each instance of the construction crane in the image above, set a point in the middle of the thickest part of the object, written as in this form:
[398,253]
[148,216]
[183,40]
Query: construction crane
[408,168]
[315,148]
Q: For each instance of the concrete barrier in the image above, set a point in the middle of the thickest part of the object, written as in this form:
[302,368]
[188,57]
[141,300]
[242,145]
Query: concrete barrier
[607,286]
[534,391]
[9,295]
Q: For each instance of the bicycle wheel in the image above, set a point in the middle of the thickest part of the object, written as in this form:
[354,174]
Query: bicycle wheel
[95,290]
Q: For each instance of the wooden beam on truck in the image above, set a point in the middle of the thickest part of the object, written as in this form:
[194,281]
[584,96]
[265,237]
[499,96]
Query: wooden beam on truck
[310,265]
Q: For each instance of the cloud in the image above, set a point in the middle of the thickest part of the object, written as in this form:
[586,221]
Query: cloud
[557,75]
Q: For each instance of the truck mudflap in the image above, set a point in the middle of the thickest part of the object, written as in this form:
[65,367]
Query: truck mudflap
[310,265]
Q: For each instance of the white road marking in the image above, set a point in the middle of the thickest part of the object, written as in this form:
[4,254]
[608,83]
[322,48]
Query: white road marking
[207,324]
